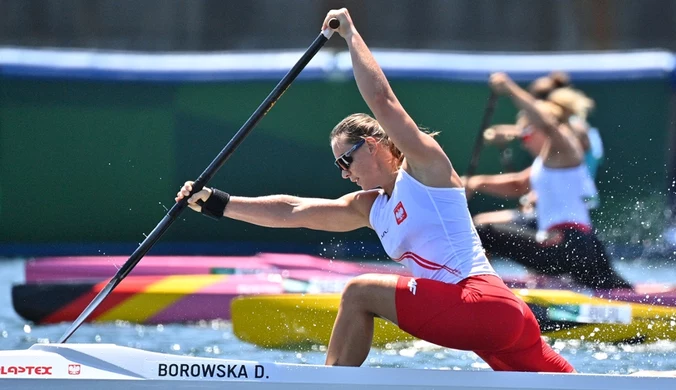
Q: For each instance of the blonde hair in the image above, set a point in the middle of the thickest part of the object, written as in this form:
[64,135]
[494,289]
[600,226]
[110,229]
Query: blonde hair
[541,87]
[548,108]
[356,127]
[574,101]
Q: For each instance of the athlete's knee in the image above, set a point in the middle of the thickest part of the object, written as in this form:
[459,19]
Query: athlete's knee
[357,290]
[479,219]
[364,292]
[353,291]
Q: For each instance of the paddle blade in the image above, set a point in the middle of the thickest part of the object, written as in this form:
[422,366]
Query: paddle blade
[90,308]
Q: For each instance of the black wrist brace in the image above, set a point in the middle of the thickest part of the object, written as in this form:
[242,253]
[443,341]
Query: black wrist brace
[215,204]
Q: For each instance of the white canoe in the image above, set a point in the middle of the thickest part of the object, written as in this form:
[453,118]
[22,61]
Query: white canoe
[107,366]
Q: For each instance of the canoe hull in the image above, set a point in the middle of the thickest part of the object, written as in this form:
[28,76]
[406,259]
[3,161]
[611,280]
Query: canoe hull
[107,366]
[292,320]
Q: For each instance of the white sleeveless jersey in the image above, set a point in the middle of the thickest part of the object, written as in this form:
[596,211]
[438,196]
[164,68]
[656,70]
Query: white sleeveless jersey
[429,230]
[561,194]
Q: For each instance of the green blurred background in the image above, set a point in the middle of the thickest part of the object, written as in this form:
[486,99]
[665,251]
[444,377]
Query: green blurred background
[99,162]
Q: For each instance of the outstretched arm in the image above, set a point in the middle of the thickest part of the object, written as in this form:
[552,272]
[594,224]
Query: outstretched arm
[507,185]
[501,134]
[349,212]
[286,211]
[420,149]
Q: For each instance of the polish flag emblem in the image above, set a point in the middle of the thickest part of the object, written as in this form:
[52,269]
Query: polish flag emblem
[400,213]
[74,369]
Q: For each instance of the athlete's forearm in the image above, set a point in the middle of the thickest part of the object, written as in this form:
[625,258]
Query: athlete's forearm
[507,130]
[509,185]
[371,81]
[524,101]
[501,134]
[270,211]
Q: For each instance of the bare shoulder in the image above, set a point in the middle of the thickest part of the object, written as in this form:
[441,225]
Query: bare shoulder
[434,156]
[361,201]
[437,173]
[568,140]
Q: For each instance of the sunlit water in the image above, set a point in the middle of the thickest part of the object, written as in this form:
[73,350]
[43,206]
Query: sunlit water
[215,339]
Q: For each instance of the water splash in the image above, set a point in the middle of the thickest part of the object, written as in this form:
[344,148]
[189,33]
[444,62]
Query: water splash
[637,223]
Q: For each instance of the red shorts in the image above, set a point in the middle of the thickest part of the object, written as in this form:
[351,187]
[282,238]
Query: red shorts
[479,314]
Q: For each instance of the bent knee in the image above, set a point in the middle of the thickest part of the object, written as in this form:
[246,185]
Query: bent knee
[370,292]
[367,285]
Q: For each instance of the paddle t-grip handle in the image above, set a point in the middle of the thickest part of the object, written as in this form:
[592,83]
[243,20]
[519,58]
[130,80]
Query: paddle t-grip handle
[334,23]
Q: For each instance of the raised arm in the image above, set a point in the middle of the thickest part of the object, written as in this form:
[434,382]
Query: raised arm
[349,212]
[502,84]
[565,148]
[423,154]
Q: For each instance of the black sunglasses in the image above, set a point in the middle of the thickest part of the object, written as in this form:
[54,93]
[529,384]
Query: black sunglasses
[344,160]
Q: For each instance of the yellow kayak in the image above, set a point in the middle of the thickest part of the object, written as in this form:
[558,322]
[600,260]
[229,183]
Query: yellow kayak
[301,320]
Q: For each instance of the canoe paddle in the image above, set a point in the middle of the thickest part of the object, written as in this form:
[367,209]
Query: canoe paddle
[479,141]
[204,178]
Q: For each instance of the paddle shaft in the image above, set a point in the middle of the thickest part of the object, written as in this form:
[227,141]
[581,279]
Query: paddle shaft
[479,141]
[205,177]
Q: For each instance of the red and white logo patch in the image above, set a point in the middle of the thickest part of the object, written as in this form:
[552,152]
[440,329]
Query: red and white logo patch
[400,213]
[74,369]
